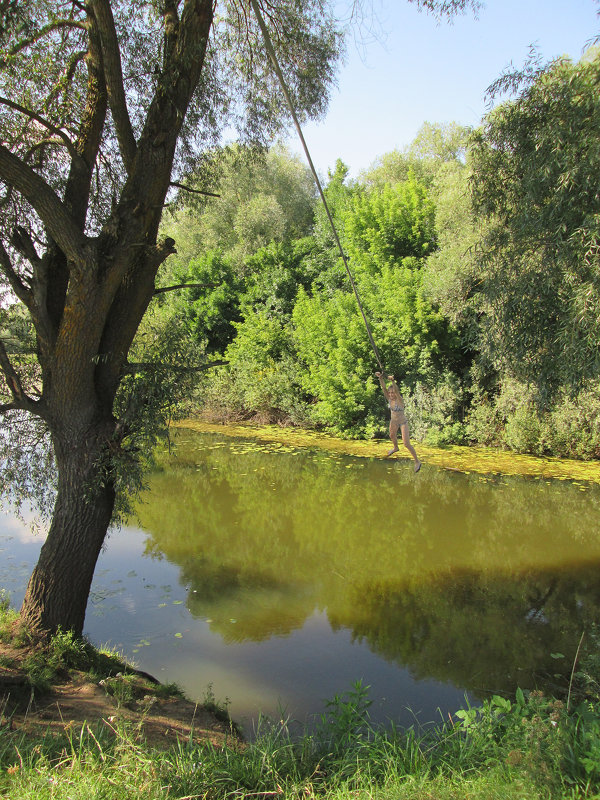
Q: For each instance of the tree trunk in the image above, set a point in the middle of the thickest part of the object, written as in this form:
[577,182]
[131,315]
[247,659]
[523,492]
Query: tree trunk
[58,589]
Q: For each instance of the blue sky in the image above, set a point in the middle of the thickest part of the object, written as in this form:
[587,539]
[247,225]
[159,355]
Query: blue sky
[414,69]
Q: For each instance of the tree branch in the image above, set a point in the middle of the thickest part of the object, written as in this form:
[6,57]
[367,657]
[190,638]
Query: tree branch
[16,284]
[57,24]
[20,398]
[195,191]
[171,27]
[40,146]
[21,241]
[162,289]
[77,190]
[35,190]
[33,298]
[149,182]
[34,115]
[114,81]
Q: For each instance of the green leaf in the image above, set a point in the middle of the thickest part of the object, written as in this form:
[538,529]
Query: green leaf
[520,697]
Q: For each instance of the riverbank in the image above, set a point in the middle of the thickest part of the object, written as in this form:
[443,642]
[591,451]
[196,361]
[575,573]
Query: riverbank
[80,723]
[478,460]
[49,690]
[532,747]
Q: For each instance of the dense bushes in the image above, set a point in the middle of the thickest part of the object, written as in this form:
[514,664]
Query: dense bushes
[466,310]
[569,428]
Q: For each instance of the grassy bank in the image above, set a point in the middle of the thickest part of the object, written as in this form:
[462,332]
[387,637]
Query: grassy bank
[531,746]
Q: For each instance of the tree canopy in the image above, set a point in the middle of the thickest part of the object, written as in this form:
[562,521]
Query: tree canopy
[474,255]
[534,177]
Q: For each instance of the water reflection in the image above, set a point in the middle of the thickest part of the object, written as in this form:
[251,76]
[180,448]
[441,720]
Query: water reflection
[460,579]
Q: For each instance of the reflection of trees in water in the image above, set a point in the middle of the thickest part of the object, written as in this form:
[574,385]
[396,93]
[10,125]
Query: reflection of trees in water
[245,606]
[476,631]
[456,578]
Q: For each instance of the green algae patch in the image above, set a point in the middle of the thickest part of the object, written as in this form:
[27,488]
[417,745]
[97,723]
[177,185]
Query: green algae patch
[478,460]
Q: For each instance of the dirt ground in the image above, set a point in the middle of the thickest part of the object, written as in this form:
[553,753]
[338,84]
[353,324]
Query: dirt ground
[75,700]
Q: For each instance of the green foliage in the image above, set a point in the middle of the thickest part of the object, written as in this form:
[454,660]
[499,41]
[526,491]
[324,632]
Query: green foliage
[440,143]
[384,231]
[8,618]
[346,720]
[210,311]
[46,663]
[434,410]
[220,708]
[261,338]
[529,747]
[533,733]
[490,286]
[483,422]
[275,273]
[453,272]
[522,429]
[331,341]
[264,196]
[534,178]
[512,417]
[387,225]
[262,378]
[433,146]
[414,340]
[339,193]
[415,337]
[163,371]
[122,688]
[270,369]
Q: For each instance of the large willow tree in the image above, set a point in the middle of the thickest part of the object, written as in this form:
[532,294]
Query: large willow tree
[535,165]
[103,106]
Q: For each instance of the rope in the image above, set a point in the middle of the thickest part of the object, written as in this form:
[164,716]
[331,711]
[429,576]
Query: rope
[284,89]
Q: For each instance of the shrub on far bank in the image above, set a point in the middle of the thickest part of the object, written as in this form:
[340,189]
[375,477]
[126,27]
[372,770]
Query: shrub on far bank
[434,411]
[569,428]
[572,428]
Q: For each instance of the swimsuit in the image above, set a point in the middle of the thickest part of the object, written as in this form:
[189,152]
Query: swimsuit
[398,413]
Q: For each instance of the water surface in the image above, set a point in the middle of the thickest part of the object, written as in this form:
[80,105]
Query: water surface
[282,575]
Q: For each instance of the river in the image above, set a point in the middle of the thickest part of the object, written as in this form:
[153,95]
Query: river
[277,576]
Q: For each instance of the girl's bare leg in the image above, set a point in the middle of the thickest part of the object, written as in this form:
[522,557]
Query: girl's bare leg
[393,437]
[409,447]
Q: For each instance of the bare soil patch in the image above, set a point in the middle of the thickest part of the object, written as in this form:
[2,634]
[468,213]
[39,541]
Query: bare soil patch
[75,700]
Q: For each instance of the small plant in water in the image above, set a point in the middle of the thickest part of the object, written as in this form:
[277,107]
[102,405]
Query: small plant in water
[220,708]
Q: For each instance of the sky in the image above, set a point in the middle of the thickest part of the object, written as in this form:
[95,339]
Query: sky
[411,69]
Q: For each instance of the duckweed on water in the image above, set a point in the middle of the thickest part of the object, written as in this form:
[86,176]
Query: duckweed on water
[482,461]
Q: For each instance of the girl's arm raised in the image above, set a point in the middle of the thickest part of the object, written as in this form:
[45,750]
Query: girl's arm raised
[382,384]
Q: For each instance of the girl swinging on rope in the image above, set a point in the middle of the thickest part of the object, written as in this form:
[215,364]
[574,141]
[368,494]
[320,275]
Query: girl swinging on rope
[398,419]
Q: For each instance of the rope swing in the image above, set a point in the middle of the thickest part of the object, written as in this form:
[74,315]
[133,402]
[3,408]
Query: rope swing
[286,94]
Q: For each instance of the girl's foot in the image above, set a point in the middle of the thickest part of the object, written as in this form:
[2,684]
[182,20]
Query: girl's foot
[417,467]
[392,451]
